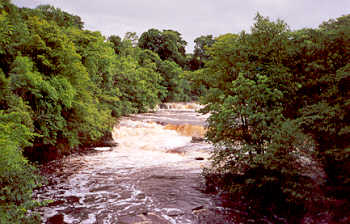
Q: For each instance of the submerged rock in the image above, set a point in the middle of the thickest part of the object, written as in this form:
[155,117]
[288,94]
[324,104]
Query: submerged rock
[56,219]
[72,199]
[104,141]
[163,106]
[197,208]
[197,139]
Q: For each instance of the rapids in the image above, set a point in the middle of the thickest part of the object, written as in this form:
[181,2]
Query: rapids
[152,176]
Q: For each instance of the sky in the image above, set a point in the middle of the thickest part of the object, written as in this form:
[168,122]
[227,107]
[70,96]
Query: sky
[193,18]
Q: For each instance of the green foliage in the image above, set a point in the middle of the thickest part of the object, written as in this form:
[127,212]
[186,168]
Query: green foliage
[276,97]
[63,87]
[98,58]
[45,83]
[116,42]
[168,44]
[17,176]
[200,55]
[132,38]
[60,17]
[197,86]
[173,82]
[144,80]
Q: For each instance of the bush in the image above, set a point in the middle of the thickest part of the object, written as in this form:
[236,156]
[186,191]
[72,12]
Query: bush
[17,176]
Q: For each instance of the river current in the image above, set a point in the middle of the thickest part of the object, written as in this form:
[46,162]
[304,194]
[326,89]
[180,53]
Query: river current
[153,175]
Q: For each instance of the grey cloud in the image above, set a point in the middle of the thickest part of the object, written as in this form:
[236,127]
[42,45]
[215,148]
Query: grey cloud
[193,18]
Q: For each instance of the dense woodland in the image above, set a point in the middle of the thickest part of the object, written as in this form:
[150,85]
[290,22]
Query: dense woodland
[280,105]
[279,102]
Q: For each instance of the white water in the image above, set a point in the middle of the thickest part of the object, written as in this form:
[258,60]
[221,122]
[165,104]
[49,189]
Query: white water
[152,176]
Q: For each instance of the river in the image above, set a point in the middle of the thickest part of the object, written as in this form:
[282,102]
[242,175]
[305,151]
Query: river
[152,176]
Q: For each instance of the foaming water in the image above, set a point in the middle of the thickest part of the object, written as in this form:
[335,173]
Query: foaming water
[152,176]
[181,106]
[132,135]
[187,129]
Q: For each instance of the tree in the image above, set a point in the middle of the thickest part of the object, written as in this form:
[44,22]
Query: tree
[60,17]
[144,80]
[116,43]
[279,96]
[61,87]
[17,176]
[167,44]
[200,55]
[132,37]
[321,60]
[174,82]
[257,144]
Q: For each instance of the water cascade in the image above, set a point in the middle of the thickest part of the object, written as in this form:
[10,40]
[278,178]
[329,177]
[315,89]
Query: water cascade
[152,176]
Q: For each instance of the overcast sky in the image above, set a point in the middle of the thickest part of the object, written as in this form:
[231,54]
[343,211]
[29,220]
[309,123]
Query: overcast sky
[193,18]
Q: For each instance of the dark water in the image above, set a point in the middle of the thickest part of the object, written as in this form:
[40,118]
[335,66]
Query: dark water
[152,176]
